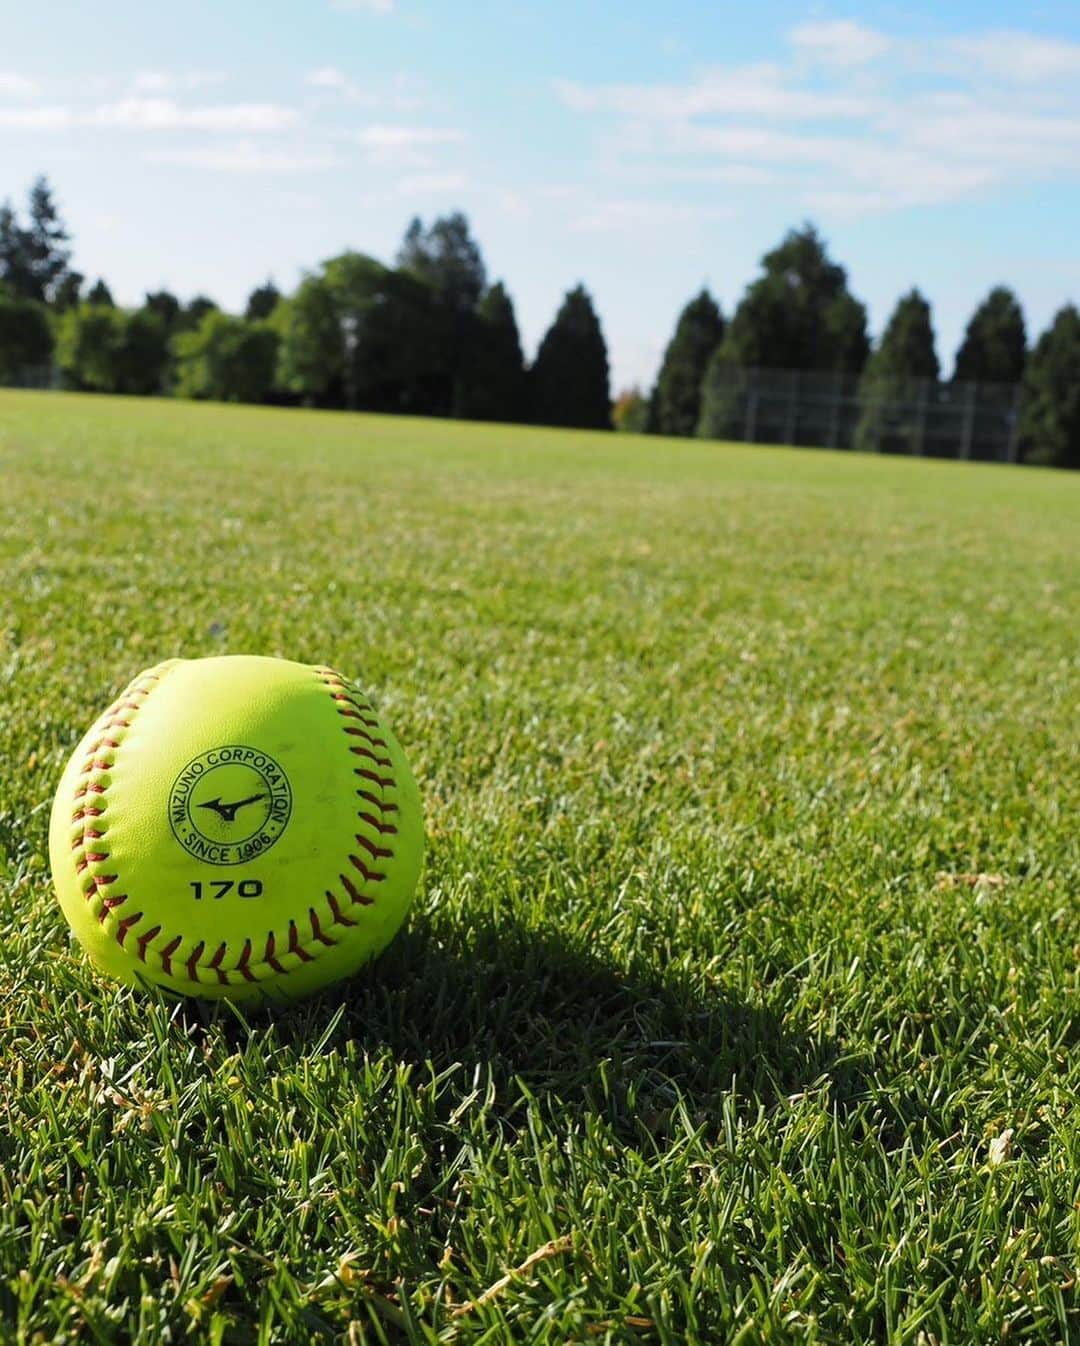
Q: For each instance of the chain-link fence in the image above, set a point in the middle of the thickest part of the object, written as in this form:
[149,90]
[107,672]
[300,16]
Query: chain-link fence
[29,376]
[840,411]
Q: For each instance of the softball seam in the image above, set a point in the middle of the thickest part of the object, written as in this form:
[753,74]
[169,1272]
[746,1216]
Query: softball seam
[101,888]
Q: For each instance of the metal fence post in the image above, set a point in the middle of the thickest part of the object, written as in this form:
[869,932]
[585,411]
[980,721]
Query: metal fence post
[1012,448]
[750,429]
[834,408]
[920,418]
[969,420]
[793,409]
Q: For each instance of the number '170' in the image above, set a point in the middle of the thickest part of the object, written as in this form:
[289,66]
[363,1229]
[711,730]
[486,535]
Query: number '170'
[217,888]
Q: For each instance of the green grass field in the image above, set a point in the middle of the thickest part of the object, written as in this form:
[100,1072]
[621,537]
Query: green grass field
[739,1002]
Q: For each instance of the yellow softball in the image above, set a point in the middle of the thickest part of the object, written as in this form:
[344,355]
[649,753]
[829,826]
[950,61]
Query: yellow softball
[236,827]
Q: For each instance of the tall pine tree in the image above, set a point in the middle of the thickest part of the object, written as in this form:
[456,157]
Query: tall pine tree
[893,384]
[34,258]
[491,381]
[1050,419]
[569,381]
[799,314]
[675,405]
[995,343]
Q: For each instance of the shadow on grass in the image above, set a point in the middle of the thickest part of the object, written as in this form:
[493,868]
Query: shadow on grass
[555,1014]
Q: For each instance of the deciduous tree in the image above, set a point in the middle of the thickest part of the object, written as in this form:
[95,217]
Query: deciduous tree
[26,340]
[226,359]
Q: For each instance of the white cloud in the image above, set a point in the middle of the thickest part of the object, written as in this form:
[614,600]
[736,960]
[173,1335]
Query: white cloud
[402,93]
[13,85]
[407,137]
[327,77]
[1020,58]
[433,184]
[163,114]
[932,127]
[163,81]
[839,42]
[758,90]
[245,157]
[636,216]
[152,114]
[56,118]
[371,6]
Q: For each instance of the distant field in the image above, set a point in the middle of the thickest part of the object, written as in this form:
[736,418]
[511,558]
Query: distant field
[750,923]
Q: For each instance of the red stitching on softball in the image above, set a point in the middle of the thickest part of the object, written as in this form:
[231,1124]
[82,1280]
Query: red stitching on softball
[215,963]
[373,757]
[352,730]
[192,963]
[357,896]
[379,803]
[269,955]
[332,900]
[242,964]
[376,852]
[167,952]
[125,925]
[370,775]
[386,829]
[145,939]
[295,946]
[370,875]
[316,928]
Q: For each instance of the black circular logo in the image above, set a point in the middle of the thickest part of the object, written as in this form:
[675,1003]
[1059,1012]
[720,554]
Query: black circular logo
[229,805]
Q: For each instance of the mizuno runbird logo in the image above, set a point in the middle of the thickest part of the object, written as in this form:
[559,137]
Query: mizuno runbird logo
[227,812]
[229,804]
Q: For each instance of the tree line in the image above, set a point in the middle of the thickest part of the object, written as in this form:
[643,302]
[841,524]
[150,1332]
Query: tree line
[431,336]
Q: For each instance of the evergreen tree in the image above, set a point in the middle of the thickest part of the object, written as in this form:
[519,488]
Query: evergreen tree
[68,293]
[262,301]
[491,382]
[723,396]
[14,269]
[799,314]
[675,405]
[34,259]
[569,380]
[166,306]
[194,311]
[46,241]
[1050,417]
[448,258]
[995,343]
[893,384]
[99,295]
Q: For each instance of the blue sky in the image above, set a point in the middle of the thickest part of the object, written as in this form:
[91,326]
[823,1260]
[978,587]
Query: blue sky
[644,149]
